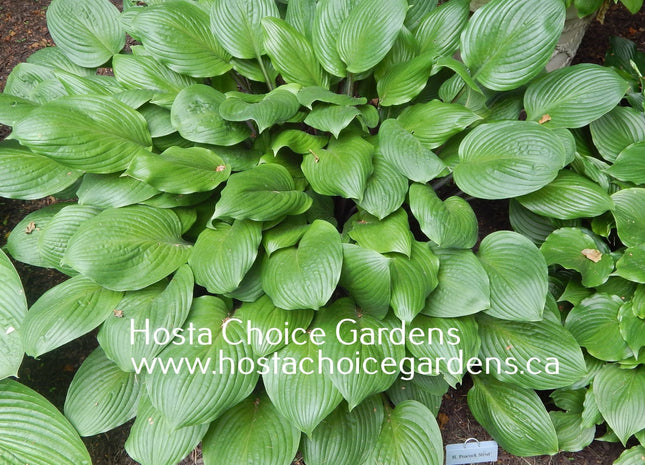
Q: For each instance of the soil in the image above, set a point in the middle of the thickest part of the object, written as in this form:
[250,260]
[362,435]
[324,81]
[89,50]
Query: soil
[23,31]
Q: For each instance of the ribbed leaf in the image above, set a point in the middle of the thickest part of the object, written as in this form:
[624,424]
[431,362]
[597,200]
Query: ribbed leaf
[88,33]
[328,20]
[632,328]
[13,108]
[429,392]
[518,276]
[298,141]
[385,190]
[572,437]
[264,193]
[140,245]
[144,72]
[368,33]
[345,437]
[305,276]
[514,416]
[300,14]
[438,32]
[567,197]
[66,312]
[404,81]
[308,95]
[616,130]
[629,165]
[215,384]
[491,44]
[179,35]
[89,133]
[574,96]
[631,265]
[101,396]
[251,432]
[633,456]
[13,308]
[28,176]
[524,221]
[410,434]
[195,115]
[224,255]
[33,431]
[508,159]
[391,234]
[112,190]
[629,214]
[161,307]
[331,118]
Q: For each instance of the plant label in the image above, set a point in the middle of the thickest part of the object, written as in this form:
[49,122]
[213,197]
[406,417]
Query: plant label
[471,451]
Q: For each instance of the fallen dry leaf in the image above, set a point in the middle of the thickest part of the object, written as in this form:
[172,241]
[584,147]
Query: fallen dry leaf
[592,254]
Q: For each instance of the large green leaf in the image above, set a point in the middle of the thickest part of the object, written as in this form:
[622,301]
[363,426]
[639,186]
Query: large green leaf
[632,328]
[340,170]
[88,33]
[308,95]
[345,437]
[334,118]
[629,164]
[568,196]
[438,32]
[529,224]
[13,108]
[33,431]
[251,432]
[464,287]
[449,223]
[264,193]
[144,72]
[514,416]
[518,276]
[385,189]
[633,456]
[305,276]
[13,308]
[573,249]
[298,141]
[508,159]
[328,19]
[631,265]
[619,394]
[140,245]
[101,396]
[192,396]
[404,81]
[127,336]
[113,190]
[594,324]
[28,176]
[300,14]
[237,24]
[179,35]
[368,32]
[616,130]
[492,44]
[572,436]
[410,435]
[545,355]
[391,234]
[195,115]
[573,96]
[224,255]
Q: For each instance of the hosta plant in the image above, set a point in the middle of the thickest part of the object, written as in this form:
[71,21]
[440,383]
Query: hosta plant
[263,211]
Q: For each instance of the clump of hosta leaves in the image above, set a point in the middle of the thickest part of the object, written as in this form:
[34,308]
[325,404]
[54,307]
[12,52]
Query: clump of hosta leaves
[305,167]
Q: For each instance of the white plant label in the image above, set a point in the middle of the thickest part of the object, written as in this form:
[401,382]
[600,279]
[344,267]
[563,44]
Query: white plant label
[471,451]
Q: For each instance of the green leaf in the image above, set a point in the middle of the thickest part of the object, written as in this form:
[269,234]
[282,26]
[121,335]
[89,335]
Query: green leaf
[391,234]
[574,96]
[13,309]
[300,14]
[385,189]
[629,164]
[101,396]
[496,164]
[491,46]
[572,436]
[529,224]
[33,431]
[464,287]
[125,336]
[266,110]
[413,279]
[65,312]
[178,34]
[404,81]
[89,34]
[195,115]
[366,275]
[154,441]
[353,334]
[633,456]
[616,130]
[113,190]
[13,108]
[449,223]
[28,176]
[264,193]
[251,432]
[340,170]
[410,434]
[345,437]
[619,394]
[215,384]
[594,324]
[631,265]
[545,355]
[575,250]
[403,149]
[140,245]
[144,72]
[308,95]
[224,255]
[514,416]
[438,32]
[402,390]
[292,54]
[331,118]
[305,276]
[287,233]
[518,276]
[298,141]
[237,25]
[90,133]
[568,196]
[632,328]
[303,396]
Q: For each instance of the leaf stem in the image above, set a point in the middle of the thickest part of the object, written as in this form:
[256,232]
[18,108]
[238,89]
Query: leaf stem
[349,85]
[439,184]
[264,72]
